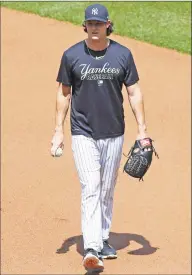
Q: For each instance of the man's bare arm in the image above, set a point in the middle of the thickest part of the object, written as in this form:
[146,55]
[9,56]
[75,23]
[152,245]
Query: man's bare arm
[62,106]
[136,101]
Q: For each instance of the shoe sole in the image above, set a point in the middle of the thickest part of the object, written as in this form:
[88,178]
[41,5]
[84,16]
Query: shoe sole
[94,270]
[92,262]
[109,257]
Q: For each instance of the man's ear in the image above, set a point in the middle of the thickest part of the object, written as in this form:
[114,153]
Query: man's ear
[108,23]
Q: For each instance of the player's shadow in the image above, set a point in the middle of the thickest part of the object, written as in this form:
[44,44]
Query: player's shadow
[117,240]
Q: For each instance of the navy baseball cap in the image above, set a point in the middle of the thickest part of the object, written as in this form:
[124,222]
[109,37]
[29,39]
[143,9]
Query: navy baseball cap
[96,12]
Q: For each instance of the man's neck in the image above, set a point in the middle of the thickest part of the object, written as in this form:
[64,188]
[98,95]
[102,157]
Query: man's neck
[97,45]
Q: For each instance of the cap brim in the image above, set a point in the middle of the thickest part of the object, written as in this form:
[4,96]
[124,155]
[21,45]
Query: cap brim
[96,19]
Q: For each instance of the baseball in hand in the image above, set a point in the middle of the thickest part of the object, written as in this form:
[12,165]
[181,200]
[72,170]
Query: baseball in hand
[59,152]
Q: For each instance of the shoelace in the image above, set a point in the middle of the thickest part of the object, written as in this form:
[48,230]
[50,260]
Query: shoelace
[91,250]
[106,242]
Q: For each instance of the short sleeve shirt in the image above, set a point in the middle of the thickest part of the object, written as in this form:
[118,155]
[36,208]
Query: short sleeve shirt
[97,100]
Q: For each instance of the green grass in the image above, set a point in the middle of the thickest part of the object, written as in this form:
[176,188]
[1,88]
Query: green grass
[165,24]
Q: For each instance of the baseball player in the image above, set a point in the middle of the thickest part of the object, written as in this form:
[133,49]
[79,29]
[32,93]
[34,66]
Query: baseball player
[91,76]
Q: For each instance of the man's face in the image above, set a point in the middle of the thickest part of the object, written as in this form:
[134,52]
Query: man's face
[96,29]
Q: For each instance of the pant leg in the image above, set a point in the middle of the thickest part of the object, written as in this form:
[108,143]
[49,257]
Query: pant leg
[87,161]
[111,152]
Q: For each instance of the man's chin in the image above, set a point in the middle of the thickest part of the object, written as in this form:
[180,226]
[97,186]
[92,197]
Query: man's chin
[94,37]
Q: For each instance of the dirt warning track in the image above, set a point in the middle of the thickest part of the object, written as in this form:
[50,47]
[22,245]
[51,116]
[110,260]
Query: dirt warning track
[40,209]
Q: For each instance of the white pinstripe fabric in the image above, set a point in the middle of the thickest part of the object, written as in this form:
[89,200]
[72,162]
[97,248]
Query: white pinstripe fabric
[97,163]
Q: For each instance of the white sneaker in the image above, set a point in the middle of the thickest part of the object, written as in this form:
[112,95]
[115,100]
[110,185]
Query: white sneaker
[91,260]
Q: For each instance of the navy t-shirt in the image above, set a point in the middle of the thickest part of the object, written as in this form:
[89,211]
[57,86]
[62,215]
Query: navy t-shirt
[97,100]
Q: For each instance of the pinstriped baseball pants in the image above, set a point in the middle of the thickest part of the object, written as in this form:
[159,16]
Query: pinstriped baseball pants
[97,163]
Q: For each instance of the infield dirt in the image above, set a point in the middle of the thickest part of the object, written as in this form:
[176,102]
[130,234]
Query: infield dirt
[40,195]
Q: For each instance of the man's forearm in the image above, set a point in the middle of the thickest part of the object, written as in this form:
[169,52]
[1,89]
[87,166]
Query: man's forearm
[137,105]
[62,106]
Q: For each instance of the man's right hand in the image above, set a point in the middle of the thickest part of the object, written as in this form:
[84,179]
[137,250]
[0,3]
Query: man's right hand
[57,141]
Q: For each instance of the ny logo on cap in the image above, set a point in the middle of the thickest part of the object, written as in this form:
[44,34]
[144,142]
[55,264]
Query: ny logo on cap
[94,11]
